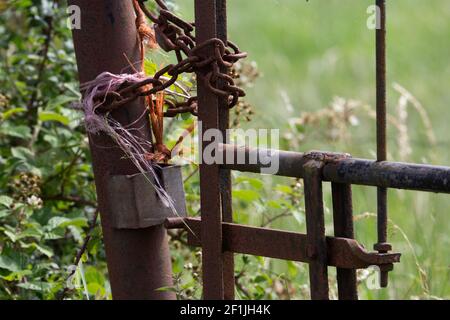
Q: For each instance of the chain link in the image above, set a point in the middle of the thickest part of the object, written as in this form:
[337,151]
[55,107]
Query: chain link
[175,35]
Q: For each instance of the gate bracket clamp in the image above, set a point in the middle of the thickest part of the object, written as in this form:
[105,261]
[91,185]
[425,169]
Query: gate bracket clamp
[141,207]
[341,252]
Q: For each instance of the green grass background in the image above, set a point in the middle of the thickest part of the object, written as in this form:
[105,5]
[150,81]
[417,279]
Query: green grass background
[316,50]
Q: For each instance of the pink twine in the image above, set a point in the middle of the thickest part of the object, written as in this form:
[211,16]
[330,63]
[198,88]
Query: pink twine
[105,83]
[133,146]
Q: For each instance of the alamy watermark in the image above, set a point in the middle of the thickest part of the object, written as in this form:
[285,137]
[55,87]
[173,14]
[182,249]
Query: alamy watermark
[374,19]
[373,277]
[74,17]
[233,147]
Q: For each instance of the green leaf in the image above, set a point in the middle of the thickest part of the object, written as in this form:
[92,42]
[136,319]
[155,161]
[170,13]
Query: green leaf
[96,289]
[47,251]
[61,101]
[8,264]
[167,289]
[62,222]
[186,116]
[292,268]
[56,222]
[11,235]
[73,89]
[274,204]
[54,235]
[22,153]
[299,217]
[260,278]
[32,232]
[150,67]
[92,274]
[246,195]
[284,189]
[36,285]
[9,113]
[45,116]
[6,201]
[20,131]
[17,275]
[4,213]
[257,184]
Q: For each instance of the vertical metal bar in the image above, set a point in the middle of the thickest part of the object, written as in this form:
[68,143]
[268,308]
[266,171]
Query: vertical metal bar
[381,81]
[382,218]
[210,190]
[343,227]
[138,260]
[225,174]
[315,226]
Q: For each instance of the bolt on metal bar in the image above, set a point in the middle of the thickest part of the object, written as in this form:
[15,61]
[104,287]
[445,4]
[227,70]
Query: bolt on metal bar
[382,194]
[343,227]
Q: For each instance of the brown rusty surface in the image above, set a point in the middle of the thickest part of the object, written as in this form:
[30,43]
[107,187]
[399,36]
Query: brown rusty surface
[210,178]
[398,175]
[315,227]
[343,227]
[225,174]
[381,119]
[381,81]
[138,260]
[278,244]
[389,175]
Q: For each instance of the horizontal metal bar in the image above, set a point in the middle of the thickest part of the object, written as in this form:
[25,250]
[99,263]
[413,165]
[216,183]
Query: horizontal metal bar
[288,166]
[347,170]
[278,244]
[389,175]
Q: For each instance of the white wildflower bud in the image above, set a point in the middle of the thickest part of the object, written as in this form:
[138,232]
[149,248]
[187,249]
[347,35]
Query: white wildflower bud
[35,202]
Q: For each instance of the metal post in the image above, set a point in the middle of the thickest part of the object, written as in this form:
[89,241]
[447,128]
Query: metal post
[343,227]
[382,219]
[225,174]
[315,226]
[209,106]
[138,260]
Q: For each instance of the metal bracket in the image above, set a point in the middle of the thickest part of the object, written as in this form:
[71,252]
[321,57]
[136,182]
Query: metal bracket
[341,252]
[134,204]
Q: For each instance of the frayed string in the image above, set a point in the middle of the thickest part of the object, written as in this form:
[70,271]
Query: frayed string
[134,147]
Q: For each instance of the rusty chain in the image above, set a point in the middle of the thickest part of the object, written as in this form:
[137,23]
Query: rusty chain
[174,34]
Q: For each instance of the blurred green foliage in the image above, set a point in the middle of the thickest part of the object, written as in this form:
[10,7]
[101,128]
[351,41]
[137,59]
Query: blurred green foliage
[46,184]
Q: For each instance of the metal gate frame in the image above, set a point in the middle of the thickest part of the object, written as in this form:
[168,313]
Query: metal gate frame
[220,238]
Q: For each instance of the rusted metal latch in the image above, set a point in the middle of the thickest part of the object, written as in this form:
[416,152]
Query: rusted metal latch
[134,203]
[279,244]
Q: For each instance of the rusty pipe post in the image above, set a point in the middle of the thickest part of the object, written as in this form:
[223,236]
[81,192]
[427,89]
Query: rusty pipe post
[382,216]
[138,260]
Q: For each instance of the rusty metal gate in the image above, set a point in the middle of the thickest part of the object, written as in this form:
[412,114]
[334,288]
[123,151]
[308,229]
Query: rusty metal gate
[220,238]
[138,260]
